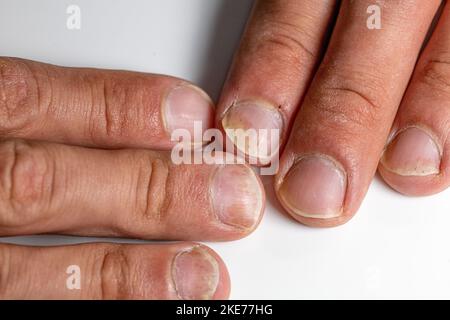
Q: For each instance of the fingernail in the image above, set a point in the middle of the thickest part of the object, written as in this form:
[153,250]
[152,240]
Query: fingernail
[185,105]
[314,187]
[413,152]
[254,115]
[195,273]
[237,196]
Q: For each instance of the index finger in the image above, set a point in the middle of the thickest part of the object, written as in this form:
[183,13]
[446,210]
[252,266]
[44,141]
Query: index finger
[95,107]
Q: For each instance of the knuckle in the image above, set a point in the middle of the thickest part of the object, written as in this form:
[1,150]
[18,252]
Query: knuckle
[123,109]
[358,100]
[285,40]
[25,172]
[152,184]
[353,108]
[19,94]
[114,271]
[115,97]
[288,28]
[286,36]
[436,75]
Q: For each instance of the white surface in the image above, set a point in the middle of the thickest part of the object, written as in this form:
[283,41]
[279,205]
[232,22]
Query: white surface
[396,247]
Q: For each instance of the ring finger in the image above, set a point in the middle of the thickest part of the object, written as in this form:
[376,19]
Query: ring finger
[48,187]
[112,271]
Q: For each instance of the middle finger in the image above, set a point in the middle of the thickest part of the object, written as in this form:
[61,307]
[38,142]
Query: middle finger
[47,187]
[342,127]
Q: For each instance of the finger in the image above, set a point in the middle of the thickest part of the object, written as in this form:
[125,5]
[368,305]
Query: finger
[96,107]
[113,271]
[272,69]
[56,188]
[341,129]
[417,160]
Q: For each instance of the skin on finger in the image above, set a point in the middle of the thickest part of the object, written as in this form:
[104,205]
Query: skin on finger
[417,160]
[94,107]
[113,271]
[341,128]
[53,188]
[271,71]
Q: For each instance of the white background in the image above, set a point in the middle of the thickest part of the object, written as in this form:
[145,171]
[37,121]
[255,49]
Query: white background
[396,247]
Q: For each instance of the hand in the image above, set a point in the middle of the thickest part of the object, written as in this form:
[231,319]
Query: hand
[344,104]
[79,189]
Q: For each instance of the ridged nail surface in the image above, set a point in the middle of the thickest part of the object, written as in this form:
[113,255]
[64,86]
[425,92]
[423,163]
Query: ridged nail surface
[260,117]
[195,274]
[237,196]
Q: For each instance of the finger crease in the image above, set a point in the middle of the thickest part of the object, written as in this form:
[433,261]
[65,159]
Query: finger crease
[295,41]
[11,171]
[357,93]
[107,111]
[36,84]
[113,272]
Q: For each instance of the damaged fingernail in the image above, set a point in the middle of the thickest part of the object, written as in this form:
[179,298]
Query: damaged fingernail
[237,196]
[413,152]
[264,119]
[195,273]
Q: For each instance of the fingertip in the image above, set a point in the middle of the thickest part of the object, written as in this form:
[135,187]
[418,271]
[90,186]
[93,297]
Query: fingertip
[415,185]
[313,191]
[323,223]
[237,197]
[200,273]
[185,107]
[413,163]
[224,285]
[257,120]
